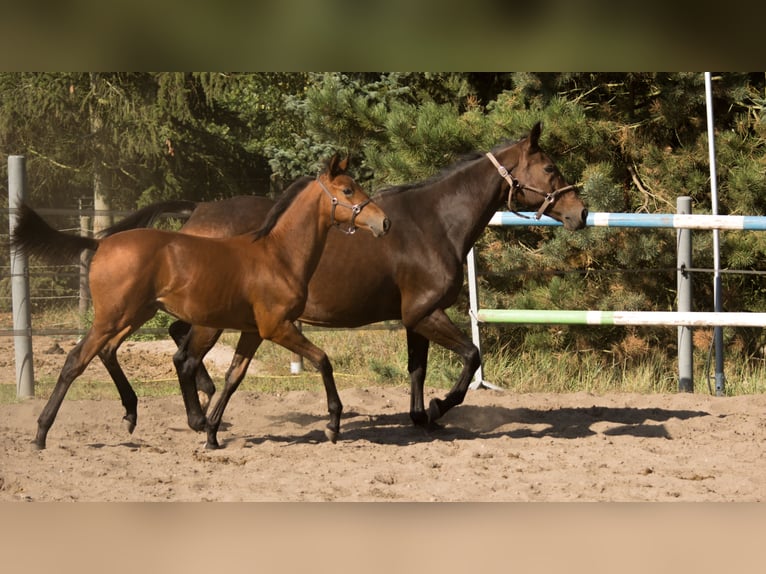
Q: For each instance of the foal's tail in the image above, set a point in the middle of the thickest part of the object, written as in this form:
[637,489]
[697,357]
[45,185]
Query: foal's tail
[34,236]
[146,216]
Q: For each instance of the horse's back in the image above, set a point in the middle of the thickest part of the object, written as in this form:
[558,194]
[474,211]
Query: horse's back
[228,217]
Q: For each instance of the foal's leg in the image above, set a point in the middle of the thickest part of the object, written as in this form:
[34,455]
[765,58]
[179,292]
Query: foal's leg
[108,356]
[288,336]
[438,328]
[205,386]
[417,364]
[246,347]
[187,360]
[76,362]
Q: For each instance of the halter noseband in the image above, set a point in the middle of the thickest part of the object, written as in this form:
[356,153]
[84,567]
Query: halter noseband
[516,185]
[355,209]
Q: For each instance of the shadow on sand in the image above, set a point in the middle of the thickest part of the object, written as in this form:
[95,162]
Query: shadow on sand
[467,422]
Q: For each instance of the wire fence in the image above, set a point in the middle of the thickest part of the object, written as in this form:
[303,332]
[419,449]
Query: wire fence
[58,299]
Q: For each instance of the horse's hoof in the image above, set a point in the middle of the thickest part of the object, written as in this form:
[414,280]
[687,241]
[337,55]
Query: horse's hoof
[331,435]
[130,424]
[434,412]
[212,445]
[419,418]
[197,424]
[38,445]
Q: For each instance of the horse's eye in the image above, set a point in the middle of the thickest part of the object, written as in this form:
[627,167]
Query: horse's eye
[348,192]
[549,169]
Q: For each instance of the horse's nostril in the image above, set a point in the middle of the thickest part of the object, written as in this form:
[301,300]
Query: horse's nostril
[386,224]
[584,215]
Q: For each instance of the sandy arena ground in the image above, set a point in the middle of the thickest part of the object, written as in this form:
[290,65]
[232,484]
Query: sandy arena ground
[497,446]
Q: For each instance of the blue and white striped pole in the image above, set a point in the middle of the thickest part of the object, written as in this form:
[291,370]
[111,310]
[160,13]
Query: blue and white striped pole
[642,220]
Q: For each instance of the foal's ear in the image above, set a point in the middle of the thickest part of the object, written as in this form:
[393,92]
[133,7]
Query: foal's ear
[336,165]
[534,136]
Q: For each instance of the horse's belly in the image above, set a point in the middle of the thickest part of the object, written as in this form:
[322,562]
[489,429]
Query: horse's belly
[350,312]
[237,317]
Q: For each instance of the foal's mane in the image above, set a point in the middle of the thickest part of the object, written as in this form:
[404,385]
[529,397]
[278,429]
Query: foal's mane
[281,206]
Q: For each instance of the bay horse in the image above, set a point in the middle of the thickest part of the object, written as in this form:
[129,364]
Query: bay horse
[254,282]
[418,267]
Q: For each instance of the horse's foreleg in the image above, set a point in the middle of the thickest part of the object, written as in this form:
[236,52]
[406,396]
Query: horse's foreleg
[417,364]
[293,340]
[438,328]
[205,386]
[76,362]
[246,347]
[187,360]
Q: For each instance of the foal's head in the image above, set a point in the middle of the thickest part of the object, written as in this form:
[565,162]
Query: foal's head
[347,203]
[537,183]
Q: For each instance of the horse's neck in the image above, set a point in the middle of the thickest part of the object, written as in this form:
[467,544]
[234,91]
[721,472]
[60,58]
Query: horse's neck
[467,202]
[300,234]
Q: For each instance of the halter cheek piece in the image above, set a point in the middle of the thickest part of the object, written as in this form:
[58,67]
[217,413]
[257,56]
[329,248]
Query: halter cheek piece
[516,186]
[355,210]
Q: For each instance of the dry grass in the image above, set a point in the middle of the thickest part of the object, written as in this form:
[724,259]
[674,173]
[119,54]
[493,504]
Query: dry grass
[372,357]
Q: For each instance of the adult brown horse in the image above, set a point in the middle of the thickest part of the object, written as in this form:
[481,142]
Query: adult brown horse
[255,283]
[418,267]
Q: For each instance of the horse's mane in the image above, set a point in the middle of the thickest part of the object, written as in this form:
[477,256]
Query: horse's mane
[447,171]
[281,206]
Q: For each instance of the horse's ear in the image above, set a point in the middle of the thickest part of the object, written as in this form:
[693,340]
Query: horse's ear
[332,165]
[534,135]
[336,165]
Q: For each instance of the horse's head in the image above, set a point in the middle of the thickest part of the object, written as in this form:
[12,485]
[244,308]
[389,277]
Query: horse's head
[349,204]
[536,183]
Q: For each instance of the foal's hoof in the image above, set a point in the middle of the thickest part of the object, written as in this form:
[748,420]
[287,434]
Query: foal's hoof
[332,435]
[212,445]
[434,411]
[130,424]
[37,445]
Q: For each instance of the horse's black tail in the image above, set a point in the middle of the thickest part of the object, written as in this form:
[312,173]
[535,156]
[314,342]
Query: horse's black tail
[33,236]
[146,216]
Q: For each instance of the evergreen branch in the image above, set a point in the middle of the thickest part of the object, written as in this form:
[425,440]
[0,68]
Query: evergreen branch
[633,170]
[53,161]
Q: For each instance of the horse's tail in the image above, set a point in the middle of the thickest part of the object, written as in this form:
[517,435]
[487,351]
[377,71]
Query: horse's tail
[146,216]
[33,236]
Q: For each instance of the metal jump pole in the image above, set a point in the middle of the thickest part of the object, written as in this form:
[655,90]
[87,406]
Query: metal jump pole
[717,285]
[22,319]
[684,292]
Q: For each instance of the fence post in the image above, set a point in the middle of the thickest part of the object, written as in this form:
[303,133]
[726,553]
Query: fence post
[684,290]
[22,321]
[84,294]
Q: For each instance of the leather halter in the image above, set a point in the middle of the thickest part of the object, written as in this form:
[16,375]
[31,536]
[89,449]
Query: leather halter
[516,185]
[355,210]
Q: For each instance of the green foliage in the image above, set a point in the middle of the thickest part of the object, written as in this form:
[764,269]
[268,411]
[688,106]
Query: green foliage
[634,142]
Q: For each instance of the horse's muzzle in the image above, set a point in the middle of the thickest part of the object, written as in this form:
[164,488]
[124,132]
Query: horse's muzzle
[379,231]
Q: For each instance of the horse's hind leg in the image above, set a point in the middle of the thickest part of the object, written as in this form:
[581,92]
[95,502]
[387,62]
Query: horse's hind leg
[187,360]
[76,362]
[246,347]
[417,364]
[205,386]
[108,356]
[438,328]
